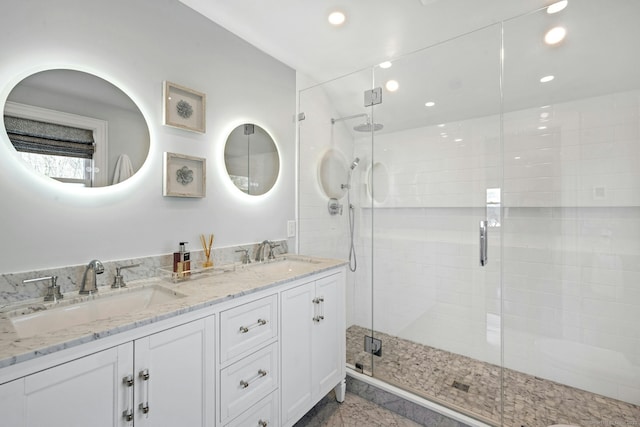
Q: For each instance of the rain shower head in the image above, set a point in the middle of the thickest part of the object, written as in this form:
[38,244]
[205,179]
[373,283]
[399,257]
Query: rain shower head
[367,126]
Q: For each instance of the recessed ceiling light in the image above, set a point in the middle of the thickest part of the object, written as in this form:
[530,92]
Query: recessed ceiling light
[337,18]
[441,125]
[392,85]
[385,64]
[458,140]
[546,79]
[542,127]
[544,115]
[429,104]
[557,7]
[555,35]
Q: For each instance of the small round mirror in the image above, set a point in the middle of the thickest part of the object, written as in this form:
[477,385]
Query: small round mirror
[251,159]
[76,128]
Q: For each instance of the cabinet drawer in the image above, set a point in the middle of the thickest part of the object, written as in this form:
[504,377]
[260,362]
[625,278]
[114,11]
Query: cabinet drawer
[263,413]
[247,327]
[247,381]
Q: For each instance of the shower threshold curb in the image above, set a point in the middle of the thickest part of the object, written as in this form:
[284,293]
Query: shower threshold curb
[417,409]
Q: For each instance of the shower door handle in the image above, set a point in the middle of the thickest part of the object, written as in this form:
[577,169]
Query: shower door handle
[484,237]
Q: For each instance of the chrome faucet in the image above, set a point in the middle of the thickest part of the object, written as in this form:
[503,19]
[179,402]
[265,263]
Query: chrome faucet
[245,258]
[260,251]
[118,280]
[89,280]
[271,246]
[261,248]
[53,290]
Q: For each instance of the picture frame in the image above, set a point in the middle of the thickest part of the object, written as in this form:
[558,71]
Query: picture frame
[184,176]
[184,108]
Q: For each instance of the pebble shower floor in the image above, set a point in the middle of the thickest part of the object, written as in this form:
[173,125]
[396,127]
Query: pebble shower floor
[529,401]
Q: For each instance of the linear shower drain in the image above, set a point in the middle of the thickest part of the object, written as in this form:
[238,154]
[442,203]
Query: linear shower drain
[460,386]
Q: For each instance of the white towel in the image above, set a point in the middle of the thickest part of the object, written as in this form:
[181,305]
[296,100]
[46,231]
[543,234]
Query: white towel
[123,169]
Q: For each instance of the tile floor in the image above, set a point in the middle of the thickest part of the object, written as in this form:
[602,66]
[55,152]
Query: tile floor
[530,401]
[353,412]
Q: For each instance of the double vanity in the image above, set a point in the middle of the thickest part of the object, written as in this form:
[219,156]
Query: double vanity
[241,345]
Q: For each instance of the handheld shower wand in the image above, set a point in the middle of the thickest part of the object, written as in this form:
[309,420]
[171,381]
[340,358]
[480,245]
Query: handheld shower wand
[354,164]
[353,262]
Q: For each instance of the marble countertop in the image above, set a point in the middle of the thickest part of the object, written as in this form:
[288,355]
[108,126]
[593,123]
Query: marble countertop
[200,291]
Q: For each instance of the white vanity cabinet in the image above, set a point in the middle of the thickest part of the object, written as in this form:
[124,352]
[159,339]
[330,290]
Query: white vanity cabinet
[85,391]
[259,359]
[12,403]
[173,377]
[160,380]
[249,363]
[313,344]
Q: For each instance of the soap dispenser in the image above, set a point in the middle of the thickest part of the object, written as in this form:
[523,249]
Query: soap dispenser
[182,261]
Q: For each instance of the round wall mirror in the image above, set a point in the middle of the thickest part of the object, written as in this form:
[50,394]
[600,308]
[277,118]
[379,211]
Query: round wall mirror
[251,159]
[76,128]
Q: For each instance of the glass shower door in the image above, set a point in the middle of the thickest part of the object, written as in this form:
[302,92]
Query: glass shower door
[433,202]
[572,216]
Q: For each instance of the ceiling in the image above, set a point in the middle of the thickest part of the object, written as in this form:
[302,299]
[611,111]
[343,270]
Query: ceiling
[297,31]
[447,51]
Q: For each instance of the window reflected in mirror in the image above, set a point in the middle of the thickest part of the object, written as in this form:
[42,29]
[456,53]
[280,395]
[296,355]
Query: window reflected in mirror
[76,128]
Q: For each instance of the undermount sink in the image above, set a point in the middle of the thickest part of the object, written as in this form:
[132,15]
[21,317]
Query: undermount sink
[283,265]
[100,306]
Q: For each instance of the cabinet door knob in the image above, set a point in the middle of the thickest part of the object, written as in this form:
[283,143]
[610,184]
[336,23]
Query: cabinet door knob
[263,423]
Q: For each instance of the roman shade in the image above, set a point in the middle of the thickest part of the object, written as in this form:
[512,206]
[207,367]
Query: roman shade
[33,136]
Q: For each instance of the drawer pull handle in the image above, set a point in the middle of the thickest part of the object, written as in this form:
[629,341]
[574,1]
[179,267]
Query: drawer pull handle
[245,329]
[261,373]
[263,423]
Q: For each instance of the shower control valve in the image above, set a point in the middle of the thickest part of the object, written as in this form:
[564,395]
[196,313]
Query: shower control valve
[334,207]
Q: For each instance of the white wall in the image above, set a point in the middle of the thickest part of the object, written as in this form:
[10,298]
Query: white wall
[137,45]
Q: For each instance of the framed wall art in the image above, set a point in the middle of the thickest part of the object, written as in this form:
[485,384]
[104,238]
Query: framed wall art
[184,176]
[184,108]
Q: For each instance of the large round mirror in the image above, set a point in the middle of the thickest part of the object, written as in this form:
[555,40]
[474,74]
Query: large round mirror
[76,128]
[251,158]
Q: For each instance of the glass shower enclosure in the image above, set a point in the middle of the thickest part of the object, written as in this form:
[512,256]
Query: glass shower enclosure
[489,208]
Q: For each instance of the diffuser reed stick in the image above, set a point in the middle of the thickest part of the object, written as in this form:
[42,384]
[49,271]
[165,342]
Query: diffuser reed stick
[207,250]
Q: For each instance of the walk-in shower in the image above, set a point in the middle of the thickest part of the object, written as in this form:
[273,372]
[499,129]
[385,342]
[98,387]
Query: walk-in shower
[548,331]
